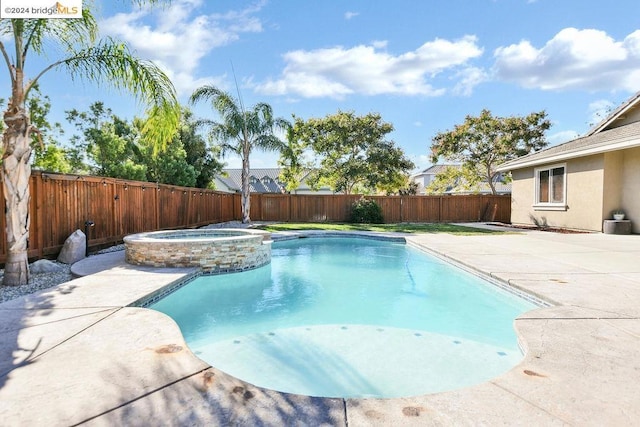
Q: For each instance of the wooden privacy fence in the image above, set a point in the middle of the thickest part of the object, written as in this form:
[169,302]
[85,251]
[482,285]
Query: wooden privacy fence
[61,204]
[337,208]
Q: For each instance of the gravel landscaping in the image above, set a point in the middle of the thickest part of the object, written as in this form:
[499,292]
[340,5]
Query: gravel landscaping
[43,280]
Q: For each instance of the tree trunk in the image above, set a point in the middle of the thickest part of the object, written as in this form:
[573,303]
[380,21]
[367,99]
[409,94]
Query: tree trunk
[245,195]
[491,177]
[16,171]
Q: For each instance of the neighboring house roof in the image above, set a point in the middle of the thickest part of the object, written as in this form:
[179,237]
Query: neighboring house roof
[501,187]
[434,169]
[627,136]
[228,182]
[482,187]
[261,180]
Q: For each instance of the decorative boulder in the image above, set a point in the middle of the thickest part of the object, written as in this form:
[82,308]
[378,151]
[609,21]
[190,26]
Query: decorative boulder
[44,266]
[74,248]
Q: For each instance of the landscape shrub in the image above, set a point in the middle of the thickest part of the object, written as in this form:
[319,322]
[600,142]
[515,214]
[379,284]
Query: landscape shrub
[366,211]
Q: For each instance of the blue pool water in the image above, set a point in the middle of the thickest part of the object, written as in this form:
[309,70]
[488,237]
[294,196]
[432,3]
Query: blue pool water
[347,317]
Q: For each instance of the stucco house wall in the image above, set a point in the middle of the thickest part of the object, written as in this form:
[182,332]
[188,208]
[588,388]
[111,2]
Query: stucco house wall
[584,197]
[613,182]
[631,186]
[596,186]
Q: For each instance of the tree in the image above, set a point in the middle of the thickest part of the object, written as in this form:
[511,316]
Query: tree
[110,143]
[352,154]
[104,61]
[168,166]
[186,161]
[48,154]
[203,158]
[482,143]
[240,131]
[293,165]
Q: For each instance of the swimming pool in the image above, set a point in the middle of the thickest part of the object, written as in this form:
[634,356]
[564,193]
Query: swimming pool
[348,317]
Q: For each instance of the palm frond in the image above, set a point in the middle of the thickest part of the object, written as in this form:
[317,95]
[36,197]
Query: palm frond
[269,142]
[69,33]
[113,63]
[203,123]
[204,93]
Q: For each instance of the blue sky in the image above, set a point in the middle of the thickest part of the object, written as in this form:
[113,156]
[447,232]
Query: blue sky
[423,65]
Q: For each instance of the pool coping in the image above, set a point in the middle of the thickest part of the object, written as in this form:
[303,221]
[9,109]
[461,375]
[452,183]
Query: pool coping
[580,366]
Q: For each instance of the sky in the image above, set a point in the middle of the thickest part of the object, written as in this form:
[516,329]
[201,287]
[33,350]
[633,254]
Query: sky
[423,65]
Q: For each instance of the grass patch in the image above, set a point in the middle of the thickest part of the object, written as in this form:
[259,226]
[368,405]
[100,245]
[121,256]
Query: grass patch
[401,228]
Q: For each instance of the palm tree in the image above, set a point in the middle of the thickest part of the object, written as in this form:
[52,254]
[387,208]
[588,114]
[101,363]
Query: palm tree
[241,131]
[84,57]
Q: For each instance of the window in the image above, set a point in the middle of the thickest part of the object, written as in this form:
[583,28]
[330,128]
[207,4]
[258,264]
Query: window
[551,191]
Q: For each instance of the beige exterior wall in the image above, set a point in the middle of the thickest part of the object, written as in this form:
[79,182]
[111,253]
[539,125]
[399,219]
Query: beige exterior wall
[630,202]
[522,196]
[596,186]
[613,178]
[585,179]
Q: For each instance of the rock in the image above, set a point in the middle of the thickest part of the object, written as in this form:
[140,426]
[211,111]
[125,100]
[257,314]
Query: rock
[45,266]
[74,248]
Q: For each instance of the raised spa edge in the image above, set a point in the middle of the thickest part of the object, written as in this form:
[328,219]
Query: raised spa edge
[214,251]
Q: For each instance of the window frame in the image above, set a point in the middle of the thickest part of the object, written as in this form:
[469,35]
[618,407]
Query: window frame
[550,206]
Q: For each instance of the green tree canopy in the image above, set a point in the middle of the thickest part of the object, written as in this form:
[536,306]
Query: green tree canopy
[482,143]
[49,155]
[352,154]
[110,143]
[293,166]
[198,153]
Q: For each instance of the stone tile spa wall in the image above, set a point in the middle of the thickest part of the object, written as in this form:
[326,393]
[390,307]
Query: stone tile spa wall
[214,251]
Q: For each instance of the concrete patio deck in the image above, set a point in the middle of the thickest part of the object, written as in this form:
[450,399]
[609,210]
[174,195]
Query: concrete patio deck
[79,354]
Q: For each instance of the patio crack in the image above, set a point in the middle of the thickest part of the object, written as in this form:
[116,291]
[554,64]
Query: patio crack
[533,404]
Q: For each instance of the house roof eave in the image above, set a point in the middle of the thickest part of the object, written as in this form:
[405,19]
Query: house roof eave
[525,162]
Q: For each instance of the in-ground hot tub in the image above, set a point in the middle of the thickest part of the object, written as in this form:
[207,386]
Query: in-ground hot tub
[213,250]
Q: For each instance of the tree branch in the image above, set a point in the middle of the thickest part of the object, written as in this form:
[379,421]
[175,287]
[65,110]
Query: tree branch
[7,60]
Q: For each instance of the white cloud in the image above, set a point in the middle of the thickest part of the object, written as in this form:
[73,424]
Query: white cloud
[349,15]
[364,69]
[573,59]
[176,38]
[468,78]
